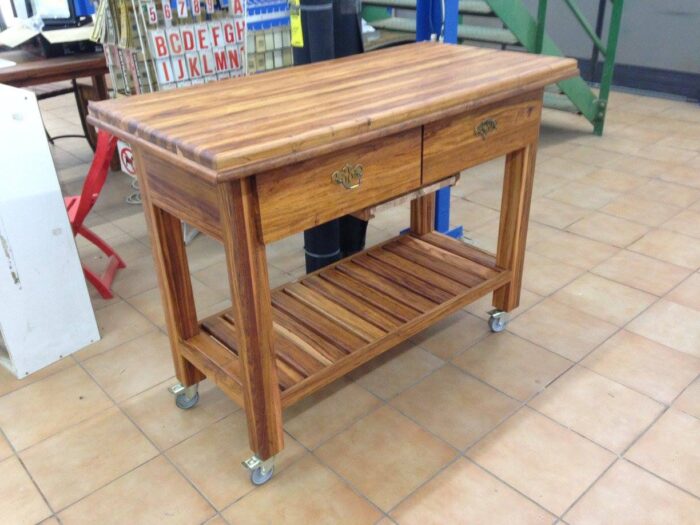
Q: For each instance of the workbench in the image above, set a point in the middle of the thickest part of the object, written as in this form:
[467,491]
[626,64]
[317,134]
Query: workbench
[251,160]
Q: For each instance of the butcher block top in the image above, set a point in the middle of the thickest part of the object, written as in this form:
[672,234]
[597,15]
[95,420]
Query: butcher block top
[234,128]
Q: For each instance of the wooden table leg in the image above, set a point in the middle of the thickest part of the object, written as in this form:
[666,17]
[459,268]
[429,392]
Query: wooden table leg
[252,307]
[423,214]
[174,279]
[512,232]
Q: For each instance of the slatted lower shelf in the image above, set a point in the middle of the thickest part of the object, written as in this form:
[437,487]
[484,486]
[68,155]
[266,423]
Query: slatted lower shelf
[330,322]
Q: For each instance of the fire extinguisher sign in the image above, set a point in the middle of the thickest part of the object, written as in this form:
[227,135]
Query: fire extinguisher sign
[126,158]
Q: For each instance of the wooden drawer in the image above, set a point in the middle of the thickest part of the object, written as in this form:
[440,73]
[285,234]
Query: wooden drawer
[296,197]
[460,142]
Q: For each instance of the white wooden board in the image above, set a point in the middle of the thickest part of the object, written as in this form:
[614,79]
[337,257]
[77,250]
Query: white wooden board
[45,310]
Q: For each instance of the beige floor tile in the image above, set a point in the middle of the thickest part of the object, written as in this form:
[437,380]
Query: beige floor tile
[512,365]
[569,168]
[555,213]
[325,413]
[544,276]
[670,450]
[470,214]
[568,332]
[604,299]
[672,325]
[644,365]
[627,495]
[670,247]
[686,222]
[583,195]
[5,448]
[212,459]
[489,197]
[668,193]
[683,174]
[641,272]
[204,251]
[614,180]
[483,306]
[452,335]
[689,400]
[396,445]
[609,229]
[464,493]
[50,521]
[687,293]
[455,406]
[136,278]
[595,157]
[641,210]
[73,463]
[216,520]
[598,408]
[574,250]
[133,224]
[541,459]
[133,367]
[150,305]
[546,183]
[154,411]
[306,493]
[396,370]
[153,493]
[33,413]
[20,501]
[215,277]
[9,383]
[118,323]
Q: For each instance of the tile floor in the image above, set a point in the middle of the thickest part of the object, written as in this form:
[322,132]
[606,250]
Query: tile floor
[585,411]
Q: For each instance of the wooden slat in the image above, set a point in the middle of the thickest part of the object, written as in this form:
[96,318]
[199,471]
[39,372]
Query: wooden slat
[306,362]
[447,256]
[225,332]
[403,278]
[355,304]
[434,278]
[378,300]
[438,265]
[335,312]
[386,286]
[463,250]
[320,324]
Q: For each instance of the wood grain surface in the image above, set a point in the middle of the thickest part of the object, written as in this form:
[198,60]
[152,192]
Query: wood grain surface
[236,127]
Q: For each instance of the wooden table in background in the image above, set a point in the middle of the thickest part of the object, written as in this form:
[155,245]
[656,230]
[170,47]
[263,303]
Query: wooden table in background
[252,160]
[33,70]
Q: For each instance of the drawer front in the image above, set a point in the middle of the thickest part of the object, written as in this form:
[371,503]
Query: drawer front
[296,197]
[460,142]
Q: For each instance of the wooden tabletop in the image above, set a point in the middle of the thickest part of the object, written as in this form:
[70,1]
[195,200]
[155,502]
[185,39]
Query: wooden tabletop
[235,127]
[31,69]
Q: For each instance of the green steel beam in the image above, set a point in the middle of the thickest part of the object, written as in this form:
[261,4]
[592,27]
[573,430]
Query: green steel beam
[541,21]
[609,65]
[521,23]
[585,25]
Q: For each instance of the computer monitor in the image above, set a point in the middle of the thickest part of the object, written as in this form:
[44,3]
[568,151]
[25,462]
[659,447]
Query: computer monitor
[55,13]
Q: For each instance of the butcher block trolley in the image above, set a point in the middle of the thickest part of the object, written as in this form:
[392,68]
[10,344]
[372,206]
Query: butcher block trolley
[251,160]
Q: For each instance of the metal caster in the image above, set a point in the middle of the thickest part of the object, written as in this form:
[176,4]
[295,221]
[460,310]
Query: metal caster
[497,321]
[260,471]
[185,397]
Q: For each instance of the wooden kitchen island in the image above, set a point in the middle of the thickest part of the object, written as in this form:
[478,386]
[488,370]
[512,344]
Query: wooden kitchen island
[251,160]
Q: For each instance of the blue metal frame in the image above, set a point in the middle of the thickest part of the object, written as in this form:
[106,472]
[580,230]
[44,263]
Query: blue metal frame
[429,22]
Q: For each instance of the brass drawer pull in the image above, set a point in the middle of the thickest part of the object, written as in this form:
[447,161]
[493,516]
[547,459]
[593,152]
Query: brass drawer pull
[485,127]
[350,176]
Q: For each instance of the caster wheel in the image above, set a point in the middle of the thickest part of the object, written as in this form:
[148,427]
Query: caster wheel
[497,323]
[185,403]
[258,477]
